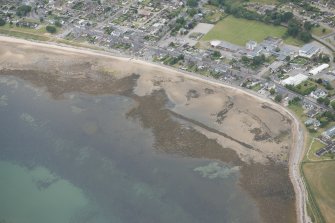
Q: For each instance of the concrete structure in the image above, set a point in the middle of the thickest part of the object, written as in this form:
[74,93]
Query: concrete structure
[318,69]
[294,80]
[309,50]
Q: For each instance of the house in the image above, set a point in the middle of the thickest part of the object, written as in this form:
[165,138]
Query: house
[312,121]
[251,45]
[143,12]
[318,93]
[275,66]
[224,46]
[308,51]
[312,113]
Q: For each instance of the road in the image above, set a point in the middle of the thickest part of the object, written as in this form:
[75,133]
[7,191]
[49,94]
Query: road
[296,157]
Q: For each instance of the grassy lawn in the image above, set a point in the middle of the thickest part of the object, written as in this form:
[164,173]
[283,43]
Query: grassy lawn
[316,145]
[239,31]
[26,33]
[318,31]
[293,41]
[321,182]
[300,60]
[298,111]
[256,87]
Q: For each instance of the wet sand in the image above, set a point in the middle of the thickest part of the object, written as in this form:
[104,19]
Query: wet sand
[187,117]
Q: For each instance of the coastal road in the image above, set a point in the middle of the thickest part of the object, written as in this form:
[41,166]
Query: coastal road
[297,151]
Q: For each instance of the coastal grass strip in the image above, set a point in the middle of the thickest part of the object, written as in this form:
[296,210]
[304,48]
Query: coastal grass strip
[318,217]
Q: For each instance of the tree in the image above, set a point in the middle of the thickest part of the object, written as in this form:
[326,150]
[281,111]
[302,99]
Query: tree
[332,104]
[51,29]
[323,30]
[305,36]
[216,55]
[308,25]
[272,91]
[2,22]
[58,24]
[287,58]
[293,28]
[23,10]
[278,98]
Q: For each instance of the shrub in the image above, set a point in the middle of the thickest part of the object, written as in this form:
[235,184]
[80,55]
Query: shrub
[51,29]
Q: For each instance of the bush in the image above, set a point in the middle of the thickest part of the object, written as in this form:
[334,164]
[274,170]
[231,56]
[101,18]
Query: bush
[58,24]
[51,29]
[2,22]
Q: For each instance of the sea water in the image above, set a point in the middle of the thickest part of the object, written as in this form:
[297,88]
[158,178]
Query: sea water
[80,159]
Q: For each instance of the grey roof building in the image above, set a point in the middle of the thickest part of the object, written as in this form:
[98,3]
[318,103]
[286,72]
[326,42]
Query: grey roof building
[309,50]
[329,133]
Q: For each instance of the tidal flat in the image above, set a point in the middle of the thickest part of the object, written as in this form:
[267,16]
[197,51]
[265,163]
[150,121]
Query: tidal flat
[139,142]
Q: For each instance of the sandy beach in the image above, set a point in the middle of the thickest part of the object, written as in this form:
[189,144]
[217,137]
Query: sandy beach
[249,131]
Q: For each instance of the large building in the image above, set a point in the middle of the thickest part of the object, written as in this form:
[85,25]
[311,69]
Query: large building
[309,50]
[294,80]
[318,69]
[329,133]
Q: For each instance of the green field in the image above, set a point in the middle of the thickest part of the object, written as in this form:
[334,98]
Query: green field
[239,31]
[321,182]
[318,31]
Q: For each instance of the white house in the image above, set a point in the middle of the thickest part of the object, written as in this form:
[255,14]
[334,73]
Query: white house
[318,93]
[318,69]
[251,45]
[294,80]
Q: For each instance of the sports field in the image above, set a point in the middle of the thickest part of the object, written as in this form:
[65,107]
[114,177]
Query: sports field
[239,31]
[321,180]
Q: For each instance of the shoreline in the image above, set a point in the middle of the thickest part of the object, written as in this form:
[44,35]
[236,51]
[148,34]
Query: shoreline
[296,153]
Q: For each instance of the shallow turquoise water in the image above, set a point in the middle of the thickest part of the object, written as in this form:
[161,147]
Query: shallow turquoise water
[81,160]
[29,198]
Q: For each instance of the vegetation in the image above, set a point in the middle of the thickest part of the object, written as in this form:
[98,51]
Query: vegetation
[2,22]
[304,88]
[51,29]
[322,188]
[23,10]
[320,31]
[295,29]
[192,3]
[169,60]
[240,31]
[254,62]
[216,55]
[278,98]
[324,100]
